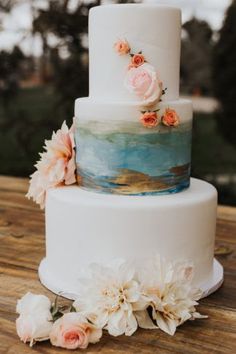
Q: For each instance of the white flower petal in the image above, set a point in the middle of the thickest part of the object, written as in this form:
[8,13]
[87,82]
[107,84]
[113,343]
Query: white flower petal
[116,323]
[95,335]
[131,325]
[197,315]
[144,320]
[34,327]
[31,303]
[165,324]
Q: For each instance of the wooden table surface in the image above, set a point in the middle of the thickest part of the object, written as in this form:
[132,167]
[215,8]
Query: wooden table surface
[22,247]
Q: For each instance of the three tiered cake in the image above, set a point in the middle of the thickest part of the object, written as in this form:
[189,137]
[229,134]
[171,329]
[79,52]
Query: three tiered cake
[133,152]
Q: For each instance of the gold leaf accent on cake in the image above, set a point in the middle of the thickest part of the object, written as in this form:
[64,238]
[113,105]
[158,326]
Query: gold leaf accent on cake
[133,182]
[180,170]
[79,180]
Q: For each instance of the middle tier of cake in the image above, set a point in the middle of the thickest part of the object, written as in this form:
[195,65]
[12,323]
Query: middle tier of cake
[117,151]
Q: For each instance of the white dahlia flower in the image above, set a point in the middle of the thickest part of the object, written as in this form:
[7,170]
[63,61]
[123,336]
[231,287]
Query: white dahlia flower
[108,298]
[168,289]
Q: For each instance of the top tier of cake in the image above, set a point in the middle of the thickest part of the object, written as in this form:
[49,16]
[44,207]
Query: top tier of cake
[153,29]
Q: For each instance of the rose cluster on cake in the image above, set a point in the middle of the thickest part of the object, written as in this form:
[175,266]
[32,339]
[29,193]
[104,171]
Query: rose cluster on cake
[143,81]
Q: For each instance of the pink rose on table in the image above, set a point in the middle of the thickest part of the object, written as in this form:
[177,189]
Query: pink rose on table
[149,119]
[170,118]
[144,83]
[137,60]
[56,166]
[73,331]
[34,328]
[122,47]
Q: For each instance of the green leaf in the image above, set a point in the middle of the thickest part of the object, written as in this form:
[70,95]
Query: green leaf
[223,250]
[72,309]
[57,315]
[54,308]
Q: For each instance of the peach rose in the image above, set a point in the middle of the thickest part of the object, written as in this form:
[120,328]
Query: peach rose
[137,60]
[73,331]
[149,119]
[143,82]
[122,47]
[170,118]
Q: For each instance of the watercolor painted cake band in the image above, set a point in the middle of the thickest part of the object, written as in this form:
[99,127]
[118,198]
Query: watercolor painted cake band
[126,158]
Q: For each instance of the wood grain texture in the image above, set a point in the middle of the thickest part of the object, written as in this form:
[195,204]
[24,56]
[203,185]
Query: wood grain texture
[22,247]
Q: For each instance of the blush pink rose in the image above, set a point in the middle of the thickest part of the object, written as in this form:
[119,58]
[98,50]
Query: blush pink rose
[56,166]
[144,83]
[170,118]
[149,119]
[122,47]
[73,331]
[34,328]
[35,320]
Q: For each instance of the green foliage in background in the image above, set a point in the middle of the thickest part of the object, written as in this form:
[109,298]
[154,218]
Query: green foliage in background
[196,57]
[29,119]
[6,5]
[10,72]
[224,75]
[70,75]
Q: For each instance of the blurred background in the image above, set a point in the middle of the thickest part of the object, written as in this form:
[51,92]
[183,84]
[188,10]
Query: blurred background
[44,67]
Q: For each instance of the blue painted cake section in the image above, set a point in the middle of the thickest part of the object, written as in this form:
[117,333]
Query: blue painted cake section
[126,158]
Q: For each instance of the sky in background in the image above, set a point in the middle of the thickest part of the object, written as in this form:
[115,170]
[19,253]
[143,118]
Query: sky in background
[17,25]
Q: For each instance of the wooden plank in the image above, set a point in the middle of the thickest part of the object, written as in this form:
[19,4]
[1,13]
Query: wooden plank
[227,213]
[14,184]
[22,248]
[213,335]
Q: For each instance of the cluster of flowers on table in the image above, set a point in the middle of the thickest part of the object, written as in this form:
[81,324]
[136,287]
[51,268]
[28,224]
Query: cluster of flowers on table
[56,166]
[142,80]
[40,320]
[116,298]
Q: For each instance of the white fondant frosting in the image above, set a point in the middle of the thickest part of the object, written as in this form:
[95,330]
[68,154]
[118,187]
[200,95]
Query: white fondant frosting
[85,227]
[89,109]
[153,29]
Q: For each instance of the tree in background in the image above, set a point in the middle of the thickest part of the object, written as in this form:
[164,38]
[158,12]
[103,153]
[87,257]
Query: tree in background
[6,5]
[10,73]
[10,63]
[36,111]
[224,75]
[70,74]
[196,57]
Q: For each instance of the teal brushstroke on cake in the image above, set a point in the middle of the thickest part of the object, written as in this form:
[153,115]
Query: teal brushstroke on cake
[126,158]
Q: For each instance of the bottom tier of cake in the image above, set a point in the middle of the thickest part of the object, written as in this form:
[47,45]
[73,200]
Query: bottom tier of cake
[85,227]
